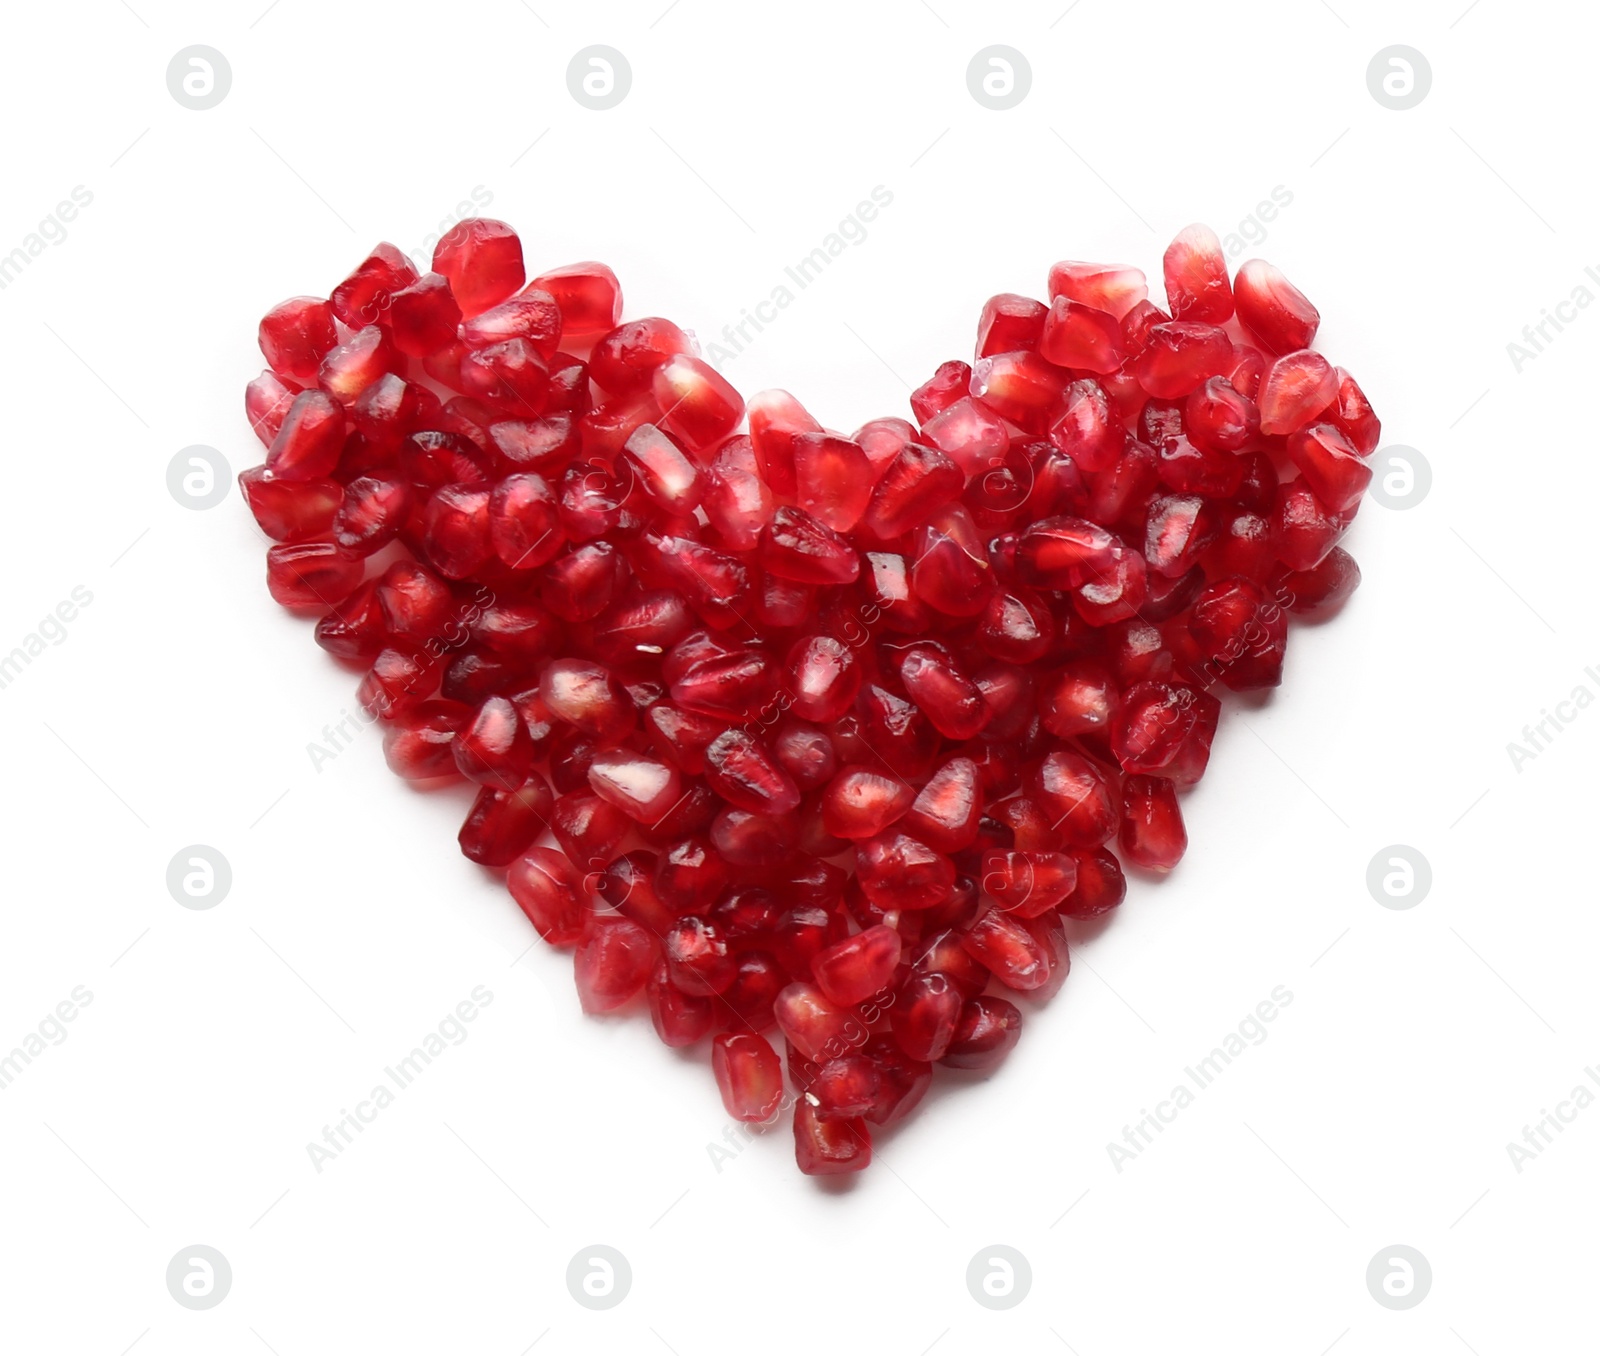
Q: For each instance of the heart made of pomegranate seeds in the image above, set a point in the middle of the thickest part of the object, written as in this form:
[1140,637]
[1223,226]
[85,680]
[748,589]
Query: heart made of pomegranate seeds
[832,735]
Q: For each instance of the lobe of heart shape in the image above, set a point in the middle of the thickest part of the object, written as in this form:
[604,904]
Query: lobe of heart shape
[808,738]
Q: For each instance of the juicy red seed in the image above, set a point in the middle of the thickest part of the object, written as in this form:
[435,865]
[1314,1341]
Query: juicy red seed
[1296,389]
[843,1087]
[372,514]
[665,471]
[828,1147]
[589,296]
[736,500]
[833,479]
[502,825]
[742,770]
[1324,586]
[419,744]
[946,810]
[366,295]
[1028,883]
[311,574]
[643,788]
[823,678]
[588,696]
[353,366]
[589,829]
[531,316]
[696,403]
[1353,416]
[1332,467]
[984,1034]
[1152,833]
[455,528]
[495,749]
[612,963]
[794,545]
[1101,886]
[1113,288]
[309,440]
[266,403]
[624,359]
[1021,387]
[861,802]
[973,436]
[550,892]
[1180,356]
[423,316]
[482,258]
[1082,338]
[819,1028]
[398,679]
[925,1015]
[1273,309]
[689,876]
[1085,427]
[291,510]
[295,334]
[1216,416]
[898,872]
[698,957]
[916,483]
[748,1075]
[1009,322]
[524,522]
[1196,276]
[1011,953]
[950,699]
[1240,634]
[1151,725]
[1304,529]
[853,970]
[510,375]
[1076,796]
[948,384]
[680,1019]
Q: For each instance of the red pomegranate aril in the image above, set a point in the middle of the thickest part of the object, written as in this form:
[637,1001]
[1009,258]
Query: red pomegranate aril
[295,334]
[697,956]
[1113,288]
[861,802]
[1152,833]
[1021,387]
[311,574]
[855,969]
[757,982]
[1028,883]
[1008,950]
[1079,700]
[588,696]
[290,510]
[1296,389]
[1082,337]
[399,678]
[913,486]
[1179,531]
[1240,633]
[663,469]
[1351,413]
[309,440]
[843,1087]
[1272,309]
[689,876]
[1085,427]
[902,1081]
[495,749]
[748,1075]
[1245,546]
[550,892]
[742,770]
[373,512]
[897,871]
[1149,728]
[949,383]
[589,295]
[510,376]
[1101,886]
[971,435]
[946,695]
[1188,468]
[423,316]
[524,522]
[355,631]
[794,545]
[1115,594]
[502,825]
[829,1147]
[643,788]
[1249,366]
[364,297]
[736,499]
[612,963]
[1009,322]
[1065,552]
[1303,527]
[1217,417]
[419,743]
[736,686]
[820,1029]
[1323,587]
[945,812]
[926,1012]
[417,605]
[455,527]
[680,1019]
[531,315]
[589,830]
[1182,355]
[1077,797]
[833,479]
[1332,467]
[266,404]
[696,403]
[625,358]
[354,365]
[985,1033]
[823,678]
[950,567]
[1196,277]
[482,258]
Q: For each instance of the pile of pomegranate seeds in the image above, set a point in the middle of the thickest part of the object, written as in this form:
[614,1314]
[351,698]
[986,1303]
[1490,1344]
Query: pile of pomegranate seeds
[833,735]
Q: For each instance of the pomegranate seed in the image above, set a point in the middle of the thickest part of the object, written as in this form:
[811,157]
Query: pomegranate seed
[736,499]
[1113,288]
[1009,322]
[290,510]
[820,1029]
[1021,387]
[1217,417]
[1273,309]
[295,334]
[697,955]
[589,296]
[984,1034]
[588,696]
[423,316]
[1152,833]
[914,485]
[1331,466]
[1076,796]
[1028,883]
[1085,428]
[696,404]
[833,479]
[531,316]
[925,1015]
[502,825]
[482,258]
[612,963]
[794,545]
[419,744]
[1240,634]
[1352,415]
[1011,953]
[748,1075]
[680,1019]
[897,871]
[311,574]
[826,1148]
[310,439]
[843,1087]
[744,773]
[1197,277]
[1082,337]
[1296,389]
[946,810]
[858,967]
[353,366]
[971,435]
[550,892]
[495,749]
[1182,355]
[365,296]
[1323,587]
[1304,529]
[643,788]
[266,403]
[949,383]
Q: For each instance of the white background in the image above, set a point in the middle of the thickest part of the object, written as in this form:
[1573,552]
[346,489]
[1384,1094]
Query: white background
[179,707]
